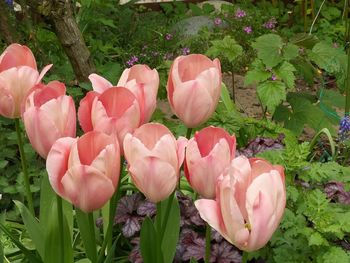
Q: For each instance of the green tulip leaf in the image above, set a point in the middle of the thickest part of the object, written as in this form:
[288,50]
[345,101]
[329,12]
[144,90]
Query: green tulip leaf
[148,242]
[33,227]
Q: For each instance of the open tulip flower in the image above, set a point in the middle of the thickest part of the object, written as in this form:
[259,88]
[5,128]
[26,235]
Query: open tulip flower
[142,81]
[250,201]
[115,111]
[208,153]
[49,114]
[85,170]
[194,87]
[154,159]
[18,74]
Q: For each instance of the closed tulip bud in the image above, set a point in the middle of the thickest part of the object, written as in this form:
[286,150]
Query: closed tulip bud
[49,114]
[85,170]
[18,74]
[154,159]
[194,87]
[208,153]
[250,201]
[114,112]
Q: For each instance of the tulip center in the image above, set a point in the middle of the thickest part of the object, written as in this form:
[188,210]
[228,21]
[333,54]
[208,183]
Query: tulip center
[248,226]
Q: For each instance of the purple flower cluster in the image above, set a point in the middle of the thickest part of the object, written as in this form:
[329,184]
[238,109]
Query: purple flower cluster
[240,13]
[9,2]
[273,77]
[248,29]
[132,61]
[344,128]
[217,21]
[168,36]
[185,51]
[270,24]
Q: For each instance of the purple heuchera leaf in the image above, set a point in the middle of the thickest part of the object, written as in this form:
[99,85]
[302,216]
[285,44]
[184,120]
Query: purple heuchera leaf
[131,226]
[189,213]
[195,246]
[146,208]
[336,192]
[261,144]
[225,253]
[135,254]
[127,207]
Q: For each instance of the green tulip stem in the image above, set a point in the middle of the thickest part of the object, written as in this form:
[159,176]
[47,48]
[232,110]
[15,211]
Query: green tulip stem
[92,234]
[60,227]
[112,208]
[207,243]
[24,167]
[188,133]
[159,221]
[245,257]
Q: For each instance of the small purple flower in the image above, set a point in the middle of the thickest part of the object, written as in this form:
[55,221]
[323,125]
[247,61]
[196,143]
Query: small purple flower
[270,24]
[168,36]
[273,77]
[217,21]
[168,56]
[240,13]
[132,61]
[9,2]
[344,128]
[248,29]
[185,51]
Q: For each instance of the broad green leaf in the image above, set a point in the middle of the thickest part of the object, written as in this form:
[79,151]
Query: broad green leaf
[255,76]
[225,48]
[290,51]
[271,94]
[172,230]
[47,200]
[304,40]
[226,99]
[269,49]
[305,69]
[33,227]
[148,242]
[208,8]
[3,164]
[53,251]
[86,234]
[286,73]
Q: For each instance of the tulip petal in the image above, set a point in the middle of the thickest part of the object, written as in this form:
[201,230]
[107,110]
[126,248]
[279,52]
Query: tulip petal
[57,162]
[84,111]
[181,146]
[99,84]
[150,133]
[44,93]
[17,55]
[41,130]
[7,104]
[134,149]
[192,103]
[265,205]
[43,72]
[155,178]
[87,188]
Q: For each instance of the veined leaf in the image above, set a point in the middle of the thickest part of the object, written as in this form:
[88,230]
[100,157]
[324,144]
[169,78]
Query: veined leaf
[269,49]
[226,48]
[271,94]
[286,73]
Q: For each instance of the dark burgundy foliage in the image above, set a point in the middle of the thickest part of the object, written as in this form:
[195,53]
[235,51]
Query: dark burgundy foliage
[127,213]
[336,192]
[132,210]
[261,144]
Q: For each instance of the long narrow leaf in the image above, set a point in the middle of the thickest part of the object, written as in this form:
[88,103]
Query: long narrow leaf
[111,252]
[86,235]
[33,227]
[148,242]
[47,198]
[28,254]
[226,99]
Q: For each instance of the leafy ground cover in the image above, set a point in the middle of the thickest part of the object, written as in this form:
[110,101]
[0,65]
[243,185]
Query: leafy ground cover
[291,56]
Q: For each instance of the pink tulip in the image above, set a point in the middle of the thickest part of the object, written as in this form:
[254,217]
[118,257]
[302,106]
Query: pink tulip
[49,115]
[85,170]
[115,111]
[141,81]
[18,74]
[208,153]
[154,158]
[250,201]
[194,88]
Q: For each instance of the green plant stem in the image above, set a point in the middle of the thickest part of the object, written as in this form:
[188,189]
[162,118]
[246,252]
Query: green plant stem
[245,257]
[24,167]
[233,84]
[92,233]
[159,221]
[207,243]
[112,207]
[60,227]
[188,133]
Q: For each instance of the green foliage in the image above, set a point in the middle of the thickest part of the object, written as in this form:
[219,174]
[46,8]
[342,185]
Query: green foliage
[271,94]
[269,48]
[226,48]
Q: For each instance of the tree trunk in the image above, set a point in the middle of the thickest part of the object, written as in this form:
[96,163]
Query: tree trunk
[71,38]
[5,29]
[60,14]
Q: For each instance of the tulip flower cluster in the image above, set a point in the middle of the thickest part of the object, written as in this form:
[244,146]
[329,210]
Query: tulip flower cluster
[245,197]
